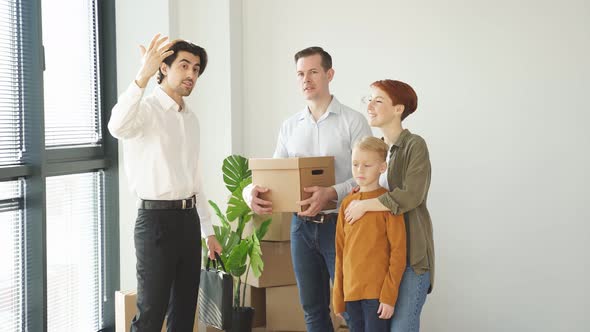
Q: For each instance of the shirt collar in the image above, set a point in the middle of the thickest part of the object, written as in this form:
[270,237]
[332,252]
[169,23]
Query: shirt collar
[370,194]
[165,100]
[334,107]
[401,140]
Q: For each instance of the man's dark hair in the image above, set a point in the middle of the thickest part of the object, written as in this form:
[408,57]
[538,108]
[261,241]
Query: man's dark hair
[183,45]
[326,58]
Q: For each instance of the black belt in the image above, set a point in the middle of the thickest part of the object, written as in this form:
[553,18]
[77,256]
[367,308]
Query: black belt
[319,218]
[181,204]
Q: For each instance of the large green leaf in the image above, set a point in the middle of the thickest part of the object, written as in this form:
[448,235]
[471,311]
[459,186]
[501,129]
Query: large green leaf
[261,231]
[236,206]
[218,233]
[235,170]
[241,225]
[236,262]
[220,215]
[236,209]
[238,271]
[223,233]
[255,255]
[233,240]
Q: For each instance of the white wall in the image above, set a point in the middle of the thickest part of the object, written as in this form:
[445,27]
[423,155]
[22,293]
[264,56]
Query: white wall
[206,23]
[502,104]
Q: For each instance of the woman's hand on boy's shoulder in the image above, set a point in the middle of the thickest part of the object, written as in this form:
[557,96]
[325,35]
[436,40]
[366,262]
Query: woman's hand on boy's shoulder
[354,211]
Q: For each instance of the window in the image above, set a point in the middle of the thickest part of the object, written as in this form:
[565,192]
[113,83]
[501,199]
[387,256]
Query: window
[58,180]
[74,232]
[71,84]
[10,78]
[11,260]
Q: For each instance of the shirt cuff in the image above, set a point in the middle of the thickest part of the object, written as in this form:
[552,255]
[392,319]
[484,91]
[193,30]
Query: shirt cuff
[389,203]
[134,89]
[206,228]
[247,195]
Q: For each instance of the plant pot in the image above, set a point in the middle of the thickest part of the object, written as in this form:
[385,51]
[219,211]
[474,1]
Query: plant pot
[242,318]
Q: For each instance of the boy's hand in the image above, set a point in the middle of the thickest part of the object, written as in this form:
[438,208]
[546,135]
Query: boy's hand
[339,314]
[385,311]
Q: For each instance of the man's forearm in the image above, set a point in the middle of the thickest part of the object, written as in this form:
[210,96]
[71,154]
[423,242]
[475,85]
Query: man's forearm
[332,194]
[342,189]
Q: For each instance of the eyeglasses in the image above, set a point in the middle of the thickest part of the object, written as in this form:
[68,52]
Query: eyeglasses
[366,99]
[369,99]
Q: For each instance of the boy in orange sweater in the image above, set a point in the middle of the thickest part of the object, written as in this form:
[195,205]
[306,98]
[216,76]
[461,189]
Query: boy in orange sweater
[371,254]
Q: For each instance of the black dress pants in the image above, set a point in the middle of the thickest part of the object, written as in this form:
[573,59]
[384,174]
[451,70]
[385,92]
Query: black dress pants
[168,251]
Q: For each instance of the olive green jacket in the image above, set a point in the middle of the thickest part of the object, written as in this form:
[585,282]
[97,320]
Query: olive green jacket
[408,176]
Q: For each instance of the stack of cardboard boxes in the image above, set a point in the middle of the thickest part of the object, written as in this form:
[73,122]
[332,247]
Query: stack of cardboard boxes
[277,282]
[286,179]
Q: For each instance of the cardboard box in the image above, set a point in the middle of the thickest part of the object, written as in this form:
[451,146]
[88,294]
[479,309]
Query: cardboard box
[286,178]
[284,312]
[256,298]
[125,310]
[279,229]
[278,268]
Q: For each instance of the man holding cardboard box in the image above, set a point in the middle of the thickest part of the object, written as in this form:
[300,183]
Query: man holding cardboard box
[160,136]
[324,128]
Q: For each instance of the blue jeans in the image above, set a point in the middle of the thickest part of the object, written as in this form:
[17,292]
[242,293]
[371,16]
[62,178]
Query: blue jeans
[363,317]
[314,257]
[411,298]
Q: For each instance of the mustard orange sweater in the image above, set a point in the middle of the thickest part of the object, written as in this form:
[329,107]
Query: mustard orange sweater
[370,255]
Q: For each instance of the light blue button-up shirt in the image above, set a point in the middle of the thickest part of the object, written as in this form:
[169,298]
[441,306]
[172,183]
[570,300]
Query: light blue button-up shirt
[334,134]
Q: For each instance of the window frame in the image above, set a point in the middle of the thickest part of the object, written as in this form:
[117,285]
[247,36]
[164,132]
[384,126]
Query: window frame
[40,162]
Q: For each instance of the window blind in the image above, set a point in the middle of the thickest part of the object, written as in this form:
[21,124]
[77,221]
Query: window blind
[71,78]
[11,126]
[74,237]
[11,256]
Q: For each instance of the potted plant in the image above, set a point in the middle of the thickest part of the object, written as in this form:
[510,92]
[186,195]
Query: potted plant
[240,253]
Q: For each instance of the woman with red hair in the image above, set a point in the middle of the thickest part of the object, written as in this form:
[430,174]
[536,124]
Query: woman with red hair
[408,180]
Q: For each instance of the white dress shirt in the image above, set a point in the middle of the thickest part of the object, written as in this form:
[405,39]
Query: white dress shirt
[161,148]
[334,134]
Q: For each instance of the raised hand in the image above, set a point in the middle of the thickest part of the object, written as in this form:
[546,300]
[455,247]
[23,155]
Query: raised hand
[151,58]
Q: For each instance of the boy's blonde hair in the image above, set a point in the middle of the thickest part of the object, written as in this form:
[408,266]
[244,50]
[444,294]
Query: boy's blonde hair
[373,144]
